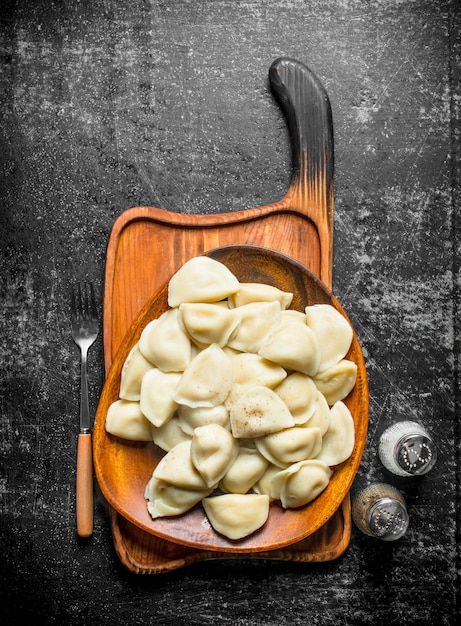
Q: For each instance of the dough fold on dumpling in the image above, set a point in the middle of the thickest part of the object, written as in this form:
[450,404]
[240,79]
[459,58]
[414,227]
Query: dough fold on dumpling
[201,279]
[293,346]
[299,393]
[250,370]
[263,486]
[164,499]
[176,468]
[213,450]
[258,412]
[300,483]
[333,331]
[337,381]
[290,445]
[206,381]
[260,292]
[124,419]
[191,418]
[134,368]
[156,399]
[237,515]
[165,344]
[320,418]
[291,315]
[170,434]
[209,323]
[338,441]
[245,471]
[257,320]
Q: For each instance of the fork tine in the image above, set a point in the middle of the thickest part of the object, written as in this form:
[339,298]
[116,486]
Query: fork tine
[92,303]
[83,290]
[83,301]
[80,301]
[76,301]
[73,304]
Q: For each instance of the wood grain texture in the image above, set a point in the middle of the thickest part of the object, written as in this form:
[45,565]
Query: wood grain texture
[84,486]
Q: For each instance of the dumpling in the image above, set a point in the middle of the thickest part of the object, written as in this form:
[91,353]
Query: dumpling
[293,316]
[134,368]
[206,381]
[260,292]
[168,435]
[237,515]
[213,450]
[176,468]
[290,445]
[249,370]
[338,441]
[201,279]
[191,418]
[293,346]
[337,381]
[164,499]
[333,332]
[124,419]
[156,399]
[165,344]
[264,483]
[257,412]
[299,393]
[230,352]
[209,323]
[320,418]
[257,320]
[300,483]
[246,470]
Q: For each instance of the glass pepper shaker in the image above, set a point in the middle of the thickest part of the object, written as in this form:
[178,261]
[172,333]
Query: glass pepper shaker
[406,449]
[380,511]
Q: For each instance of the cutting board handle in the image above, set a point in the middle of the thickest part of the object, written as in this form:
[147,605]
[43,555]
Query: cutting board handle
[306,106]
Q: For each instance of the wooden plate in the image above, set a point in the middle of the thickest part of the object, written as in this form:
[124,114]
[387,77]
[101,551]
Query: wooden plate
[123,468]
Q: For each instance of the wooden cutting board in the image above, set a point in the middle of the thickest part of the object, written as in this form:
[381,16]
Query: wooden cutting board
[147,245]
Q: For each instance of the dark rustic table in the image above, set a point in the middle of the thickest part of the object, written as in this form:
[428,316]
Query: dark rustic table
[110,104]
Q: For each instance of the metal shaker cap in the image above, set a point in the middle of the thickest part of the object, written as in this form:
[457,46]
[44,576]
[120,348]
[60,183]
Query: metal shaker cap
[388,519]
[415,454]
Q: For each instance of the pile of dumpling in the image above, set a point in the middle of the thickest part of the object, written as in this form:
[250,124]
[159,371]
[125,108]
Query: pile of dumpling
[243,394]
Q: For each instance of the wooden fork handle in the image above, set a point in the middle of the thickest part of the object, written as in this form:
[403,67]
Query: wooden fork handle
[84,485]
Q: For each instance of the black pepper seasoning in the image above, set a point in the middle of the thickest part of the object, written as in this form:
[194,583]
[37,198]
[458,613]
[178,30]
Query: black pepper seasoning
[380,511]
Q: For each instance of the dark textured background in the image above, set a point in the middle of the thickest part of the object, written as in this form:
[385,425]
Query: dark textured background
[105,105]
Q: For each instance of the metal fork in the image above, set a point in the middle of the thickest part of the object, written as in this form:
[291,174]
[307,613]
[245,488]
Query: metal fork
[84,318]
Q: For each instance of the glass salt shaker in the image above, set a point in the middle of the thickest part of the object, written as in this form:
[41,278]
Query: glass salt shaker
[380,511]
[406,449]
